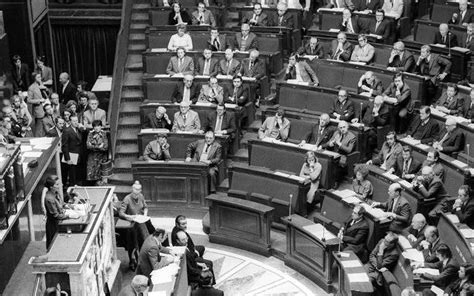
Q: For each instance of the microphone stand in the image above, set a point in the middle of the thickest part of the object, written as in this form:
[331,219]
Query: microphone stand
[340,242]
[289,208]
[323,239]
[449,44]
[468,147]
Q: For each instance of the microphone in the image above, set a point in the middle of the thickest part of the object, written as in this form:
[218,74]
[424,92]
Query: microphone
[449,44]
[289,208]
[360,113]
[323,239]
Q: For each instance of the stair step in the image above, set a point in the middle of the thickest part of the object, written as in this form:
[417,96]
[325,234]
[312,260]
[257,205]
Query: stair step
[246,137]
[140,16]
[137,36]
[128,133]
[132,79]
[128,148]
[127,155]
[134,61]
[118,178]
[124,162]
[132,93]
[129,107]
[136,48]
[137,6]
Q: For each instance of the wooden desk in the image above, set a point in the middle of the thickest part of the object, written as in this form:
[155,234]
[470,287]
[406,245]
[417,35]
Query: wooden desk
[451,235]
[272,14]
[240,223]
[307,253]
[346,287]
[173,184]
[158,16]
[442,13]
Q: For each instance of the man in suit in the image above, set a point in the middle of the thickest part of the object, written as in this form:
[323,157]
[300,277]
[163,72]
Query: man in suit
[212,92]
[276,127]
[202,16]
[396,208]
[228,65]
[423,128]
[373,115]
[37,95]
[393,8]
[415,233]
[350,24]
[253,66]
[283,18]
[430,244]
[257,17]
[180,63]
[340,4]
[341,49]
[445,37]
[382,258]
[300,71]
[149,258]
[58,108]
[205,286]
[363,52]
[343,107]
[321,134]
[216,42]
[380,26]
[355,232]
[432,160]
[67,90]
[463,206]
[400,59]
[158,119]
[469,112]
[207,65]
[451,139]
[388,154]
[398,93]
[139,285]
[343,142]
[93,113]
[186,120]
[71,141]
[220,121]
[405,166]
[45,71]
[370,6]
[209,152]
[186,91]
[237,93]
[450,103]
[181,224]
[369,85]
[48,122]
[158,149]
[430,186]
[243,40]
[462,17]
[468,42]
[313,48]
[20,74]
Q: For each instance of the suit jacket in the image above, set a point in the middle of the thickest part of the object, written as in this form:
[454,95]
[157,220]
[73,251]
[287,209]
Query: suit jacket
[196,148]
[365,54]
[305,71]
[224,69]
[345,56]
[434,67]
[317,138]
[193,270]
[21,80]
[437,167]
[388,260]
[403,99]
[468,17]
[381,119]
[356,25]
[235,43]
[373,5]
[99,114]
[419,234]
[268,130]
[430,254]
[192,122]
[451,40]
[402,209]
[286,21]
[48,127]
[342,4]
[257,70]
[469,45]
[71,142]
[348,143]
[184,17]
[152,122]
[394,8]
[306,50]
[262,19]
[46,73]
[346,110]
[469,113]
[207,291]
[213,67]
[35,94]
[413,168]
[207,94]
[387,154]
[187,67]
[435,189]
[208,18]
[149,256]
[466,213]
[68,94]
[447,273]
[127,291]
[426,133]
[228,122]
[177,96]
[240,97]
[222,44]
[453,143]
[153,151]
[355,237]
[456,106]
[376,85]
[405,64]
[384,29]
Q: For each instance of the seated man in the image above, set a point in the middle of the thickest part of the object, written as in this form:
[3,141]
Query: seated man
[236,93]
[181,224]
[432,160]
[283,18]
[253,67]
[158,119]
[400,60]
[138,286]
[398,93]
[186,120]
[186,91]
[216,42]
[93,113]
[451,139]
[430,244]
[180,64]
[276,127]
[469,41]
[243,40]
[157,149]
[463,206]
[207,65]
[450,103]
[350,24]
[342,142]
[202,16]
[313,48]
[423,127]
[209,152]
[257,17]
[220,121]
[444,37]
[212,92]
[415,233]
[205,287]
[355,232]
[342,108]
[369,85]
[322,134]
[430,186]
[341,49]
[388,154]
[393,8]
[380,26]
[228,65]
[149,258]
[405,167]
[180,39]
[382,258]
[363,52]
[463,16]
[300,71]
[397,208]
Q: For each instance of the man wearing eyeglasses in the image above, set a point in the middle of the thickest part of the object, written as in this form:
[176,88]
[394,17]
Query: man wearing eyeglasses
[341,49]
[400,59]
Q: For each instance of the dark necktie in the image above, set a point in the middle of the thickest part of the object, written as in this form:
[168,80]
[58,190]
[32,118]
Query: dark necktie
[216,44]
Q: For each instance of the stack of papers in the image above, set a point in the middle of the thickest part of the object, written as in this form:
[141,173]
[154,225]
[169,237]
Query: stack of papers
[453,218]
[309,147]
[404,243]
[162,76]
[164,274]
[319,231]
[424,147]
[207,104]
[414,255]
[358,277]
[467,232]
[297,178]
[390,176]
[154,131]
[351,263]
[231,106]
[458,163]
[405,183]
[411,141]
[431,271]
[159,50]
[220,76]
[294,81]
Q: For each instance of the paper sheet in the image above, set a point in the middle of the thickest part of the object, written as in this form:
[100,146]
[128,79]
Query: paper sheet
[220,77]
[294,81]
[426,270]
[437,291]
[33,154]
[74,157]
[458,163]
[141,218]
[405,183]
[390,176]
[411,141]
[404,242]
[297,178]
[281,174]
[453,218]
[467,232]
[358,277]
[231,106]
[352,200]
[350,263]
[413,254]
[162,76]
[162,278]
[24,148]
[159,50]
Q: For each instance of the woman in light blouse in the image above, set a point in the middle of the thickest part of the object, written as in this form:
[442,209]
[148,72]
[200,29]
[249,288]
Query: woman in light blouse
[361,186]
[180,39]
[311,170]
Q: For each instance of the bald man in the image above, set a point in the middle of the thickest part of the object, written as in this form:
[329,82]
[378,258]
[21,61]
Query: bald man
[158,119]
[66,90]
[451,138]
[138,286]
[243,40]
[445,37]
[397,208]
[415,233]
[463,16]
[186,120]
[430,186]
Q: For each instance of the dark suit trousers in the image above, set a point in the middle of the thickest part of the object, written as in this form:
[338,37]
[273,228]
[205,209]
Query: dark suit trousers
[213,179]
[71,172]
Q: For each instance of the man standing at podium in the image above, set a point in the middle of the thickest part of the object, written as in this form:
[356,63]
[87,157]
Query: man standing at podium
[209,152]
